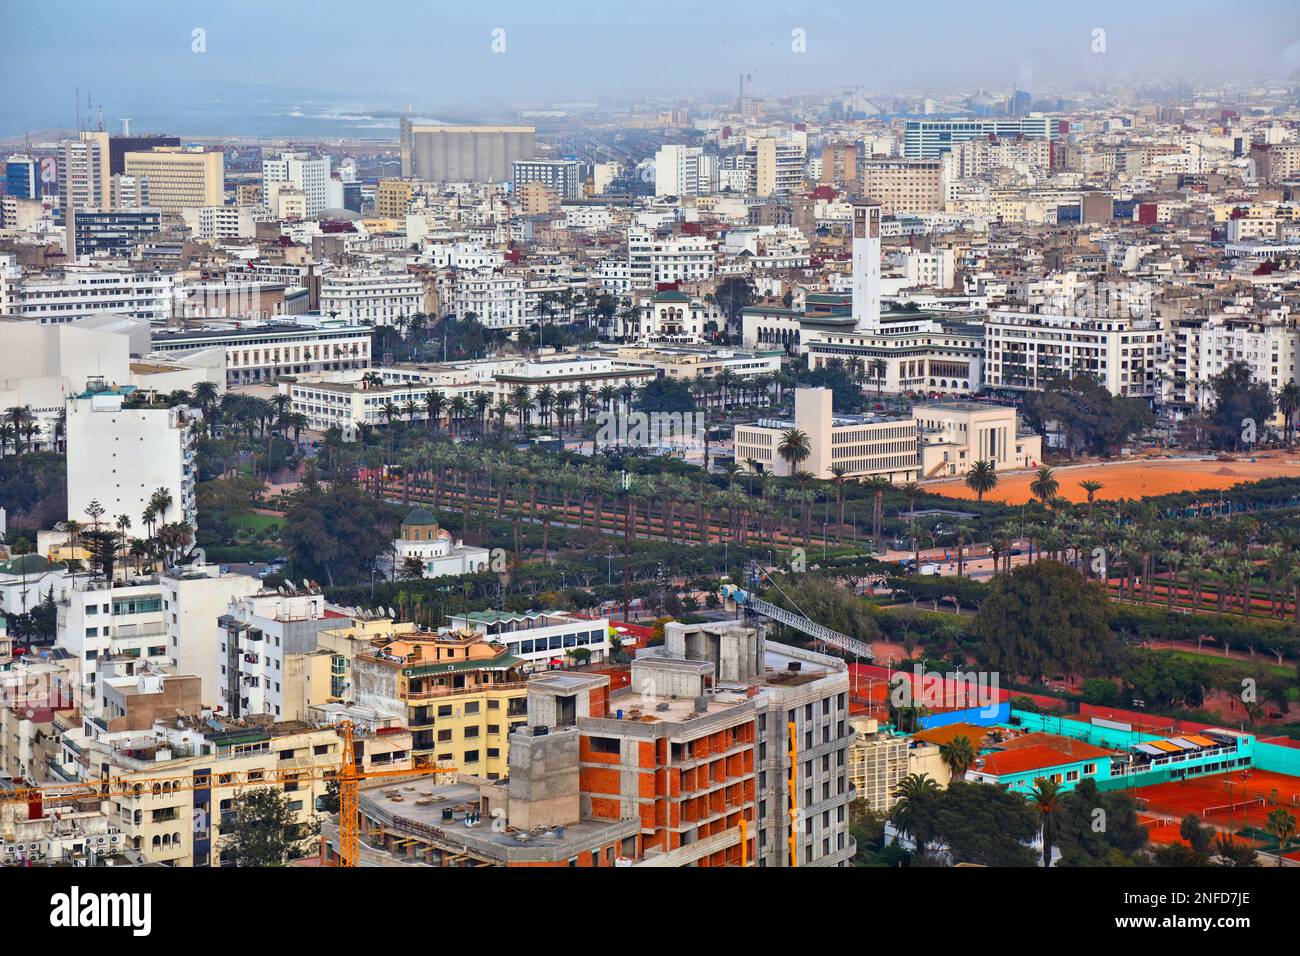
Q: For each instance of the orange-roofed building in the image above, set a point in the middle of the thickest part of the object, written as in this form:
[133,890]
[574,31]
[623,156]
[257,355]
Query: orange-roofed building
[1018,763]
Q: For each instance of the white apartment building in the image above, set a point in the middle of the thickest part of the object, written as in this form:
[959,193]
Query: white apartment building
[97,622]
[78,293]
[221,222]
[194,596]
[503,300]
[652,260]
[778,166]
[262,642]
[1200,347]
[371,298]
[936,269]
[310,175]
[684,171]
[120,456]
[539,638]
[1025,350]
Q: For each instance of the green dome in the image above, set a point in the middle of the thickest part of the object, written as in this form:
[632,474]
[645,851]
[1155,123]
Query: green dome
[419,516]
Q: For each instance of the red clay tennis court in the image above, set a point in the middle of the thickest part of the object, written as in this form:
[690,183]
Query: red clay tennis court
[1240,799]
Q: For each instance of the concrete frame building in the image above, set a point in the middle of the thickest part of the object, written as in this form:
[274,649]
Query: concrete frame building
[863,446]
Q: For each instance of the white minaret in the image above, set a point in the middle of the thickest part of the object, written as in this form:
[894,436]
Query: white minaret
[866,265]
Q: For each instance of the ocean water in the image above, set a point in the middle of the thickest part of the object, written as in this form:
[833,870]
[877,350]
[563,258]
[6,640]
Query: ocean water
[234,113]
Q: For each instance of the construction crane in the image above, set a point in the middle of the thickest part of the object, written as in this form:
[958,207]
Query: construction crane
[754,606]
[347,775]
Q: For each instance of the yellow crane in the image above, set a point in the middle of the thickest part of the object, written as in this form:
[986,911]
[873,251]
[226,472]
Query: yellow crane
[347,775]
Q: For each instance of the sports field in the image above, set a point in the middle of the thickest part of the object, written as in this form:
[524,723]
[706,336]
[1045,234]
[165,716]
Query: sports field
[1136,479]
[1221,800]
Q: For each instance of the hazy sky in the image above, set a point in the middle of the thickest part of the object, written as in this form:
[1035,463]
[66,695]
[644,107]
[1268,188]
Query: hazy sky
[278,56]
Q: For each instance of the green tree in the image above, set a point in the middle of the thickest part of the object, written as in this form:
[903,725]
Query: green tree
[982,478]
[264,831]
[1044,618]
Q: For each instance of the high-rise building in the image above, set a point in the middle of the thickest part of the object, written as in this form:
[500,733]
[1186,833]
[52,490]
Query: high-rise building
[20,178]
[778,166]
[84,179]
[180,177]
[563,177]
[119,146]
[307,173]
[840,164]
[393,198]
[484,154]
[120,456]
[684,171]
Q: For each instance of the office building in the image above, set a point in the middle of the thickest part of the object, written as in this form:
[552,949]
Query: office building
[927,139]
[263,352]
[180,177]
[119,146]
[21,178]
[112,232]
[308,174]
[863,446]
[952,436]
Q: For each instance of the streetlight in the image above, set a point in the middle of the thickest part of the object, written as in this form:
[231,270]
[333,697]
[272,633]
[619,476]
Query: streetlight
[824,524]
[609,567]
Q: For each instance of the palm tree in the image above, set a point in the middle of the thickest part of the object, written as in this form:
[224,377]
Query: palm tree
[878,368]
[910,790]
[982,478]
[1045,795]
[1281,826]
[1044,486]
[160,501]
[795,447]
[1091,487]
[838,473]
[958,755]
[1288,403]
[913,491]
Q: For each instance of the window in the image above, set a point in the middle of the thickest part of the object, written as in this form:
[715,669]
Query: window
[471,756]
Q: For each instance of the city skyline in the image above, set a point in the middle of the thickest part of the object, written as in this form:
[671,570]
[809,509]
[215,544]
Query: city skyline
[469,64]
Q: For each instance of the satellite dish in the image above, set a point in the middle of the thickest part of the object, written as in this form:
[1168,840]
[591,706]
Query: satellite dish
[306,584]
[392,613]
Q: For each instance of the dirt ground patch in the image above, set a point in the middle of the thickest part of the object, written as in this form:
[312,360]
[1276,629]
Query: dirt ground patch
[1137,479]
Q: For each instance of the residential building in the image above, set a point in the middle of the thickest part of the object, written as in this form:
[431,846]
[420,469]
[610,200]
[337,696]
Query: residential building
[563,177]
[540,639]
[371,298]
[904,185]
[1026,350]
[122,455]
[460,693]
[306,173]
